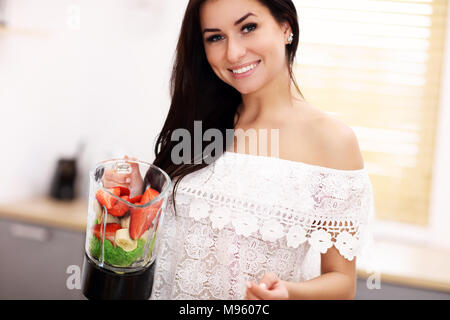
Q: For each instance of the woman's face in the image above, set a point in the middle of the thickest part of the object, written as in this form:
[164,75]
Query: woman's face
[244,44]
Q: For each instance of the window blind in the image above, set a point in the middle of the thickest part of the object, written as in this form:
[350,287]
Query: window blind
[377,65]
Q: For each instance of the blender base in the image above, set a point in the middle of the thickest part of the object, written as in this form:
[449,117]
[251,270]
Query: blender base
[102,284]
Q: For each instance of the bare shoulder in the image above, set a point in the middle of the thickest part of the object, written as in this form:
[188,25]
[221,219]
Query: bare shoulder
[341,145]
[333,142]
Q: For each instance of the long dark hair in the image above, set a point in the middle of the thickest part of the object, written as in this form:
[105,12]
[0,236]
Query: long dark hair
[199,95]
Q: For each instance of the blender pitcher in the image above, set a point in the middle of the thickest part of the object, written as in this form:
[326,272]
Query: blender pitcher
[122,230]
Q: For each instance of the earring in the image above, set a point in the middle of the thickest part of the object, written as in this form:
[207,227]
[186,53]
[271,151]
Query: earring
[291,38]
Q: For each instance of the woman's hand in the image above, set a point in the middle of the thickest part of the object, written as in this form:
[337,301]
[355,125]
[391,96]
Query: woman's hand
[132,181]
[269,288]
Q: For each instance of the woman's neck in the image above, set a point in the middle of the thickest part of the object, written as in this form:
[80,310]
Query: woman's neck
[269,102]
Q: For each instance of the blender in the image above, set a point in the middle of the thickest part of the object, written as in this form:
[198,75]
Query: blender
[122,230]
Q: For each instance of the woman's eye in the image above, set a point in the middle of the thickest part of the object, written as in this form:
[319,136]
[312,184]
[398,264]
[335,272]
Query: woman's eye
[214,38]
[249,27]
[246,29]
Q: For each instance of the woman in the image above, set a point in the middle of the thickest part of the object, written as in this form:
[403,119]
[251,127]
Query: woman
[247,225]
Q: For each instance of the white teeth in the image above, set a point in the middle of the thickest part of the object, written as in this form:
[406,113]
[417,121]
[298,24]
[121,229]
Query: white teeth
[245,69]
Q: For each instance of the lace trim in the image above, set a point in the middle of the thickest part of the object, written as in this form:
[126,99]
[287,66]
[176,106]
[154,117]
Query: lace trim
[274,223]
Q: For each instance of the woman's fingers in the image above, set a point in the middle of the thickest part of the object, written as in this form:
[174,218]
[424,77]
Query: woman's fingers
[113,177]
[133,164]
[110,184]
[249,294]
[269,280]
[130,158]
[256,290]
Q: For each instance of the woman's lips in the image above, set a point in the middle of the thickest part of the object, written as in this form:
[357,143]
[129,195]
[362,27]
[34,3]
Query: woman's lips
[247,73]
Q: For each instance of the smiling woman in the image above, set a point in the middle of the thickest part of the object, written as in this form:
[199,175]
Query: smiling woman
[295,224]
[255,44]
[205,90]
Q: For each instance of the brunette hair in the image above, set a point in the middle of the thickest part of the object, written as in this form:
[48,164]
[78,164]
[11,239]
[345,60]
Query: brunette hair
[199,95]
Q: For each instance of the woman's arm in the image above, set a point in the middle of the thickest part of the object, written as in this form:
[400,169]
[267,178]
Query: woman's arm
[338,275]
[337,282]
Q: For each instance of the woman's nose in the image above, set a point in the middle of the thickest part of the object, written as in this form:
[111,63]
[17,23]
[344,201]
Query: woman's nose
[235,51]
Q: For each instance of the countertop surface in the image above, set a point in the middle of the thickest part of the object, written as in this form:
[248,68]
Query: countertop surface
[45,211]
[420,266]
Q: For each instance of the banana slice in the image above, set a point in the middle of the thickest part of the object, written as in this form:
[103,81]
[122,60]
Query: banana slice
[125,222]
[123,240]
[109,219]
[145,235]
[97,209]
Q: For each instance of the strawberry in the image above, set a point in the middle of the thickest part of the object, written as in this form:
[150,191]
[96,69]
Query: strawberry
[114,207]
[110,233]
[136,199]
[106,199]
[149,195]
[137,222]
[123,191]
[142,218]
[150,215]
[120,208]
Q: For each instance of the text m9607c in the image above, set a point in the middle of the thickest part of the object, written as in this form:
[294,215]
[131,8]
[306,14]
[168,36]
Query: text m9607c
[246,309]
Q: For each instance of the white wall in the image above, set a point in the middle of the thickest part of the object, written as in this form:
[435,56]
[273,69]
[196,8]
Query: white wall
[104,81]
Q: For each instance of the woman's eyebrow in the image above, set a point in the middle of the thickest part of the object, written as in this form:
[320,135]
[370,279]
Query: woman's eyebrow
[240,20]
[243,18]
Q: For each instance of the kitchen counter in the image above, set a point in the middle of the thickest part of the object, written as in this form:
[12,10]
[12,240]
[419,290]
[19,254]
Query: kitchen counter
[45,211]
[403,264]
[420,266]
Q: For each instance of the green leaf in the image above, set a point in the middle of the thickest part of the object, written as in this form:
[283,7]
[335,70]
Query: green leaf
[116,256]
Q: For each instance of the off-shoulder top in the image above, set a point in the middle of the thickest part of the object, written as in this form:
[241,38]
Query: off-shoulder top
[245,215]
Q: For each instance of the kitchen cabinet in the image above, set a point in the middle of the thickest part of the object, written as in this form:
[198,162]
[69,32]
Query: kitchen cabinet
[34,260]
[390,291]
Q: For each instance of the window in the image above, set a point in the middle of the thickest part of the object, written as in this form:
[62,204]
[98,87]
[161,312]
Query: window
[377,66]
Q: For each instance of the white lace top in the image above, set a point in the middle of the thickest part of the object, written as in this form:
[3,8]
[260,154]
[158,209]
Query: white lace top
[244,216]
